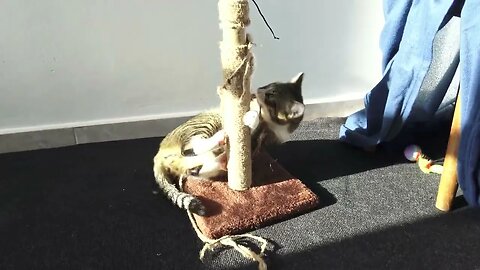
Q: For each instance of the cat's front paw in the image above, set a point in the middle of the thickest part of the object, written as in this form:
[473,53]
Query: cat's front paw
[212,168]
[201,145]
[251,119]
[220,138]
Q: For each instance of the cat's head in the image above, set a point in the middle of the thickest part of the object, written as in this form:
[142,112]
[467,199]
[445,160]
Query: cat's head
[282,102]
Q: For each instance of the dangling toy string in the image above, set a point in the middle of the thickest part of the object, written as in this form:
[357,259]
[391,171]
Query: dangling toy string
[265,20]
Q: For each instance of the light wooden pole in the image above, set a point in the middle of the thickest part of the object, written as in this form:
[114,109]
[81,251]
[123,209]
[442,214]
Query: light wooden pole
[448,186]
[237,64]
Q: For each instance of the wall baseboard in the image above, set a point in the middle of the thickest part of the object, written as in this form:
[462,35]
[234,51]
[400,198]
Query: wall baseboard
[140,128]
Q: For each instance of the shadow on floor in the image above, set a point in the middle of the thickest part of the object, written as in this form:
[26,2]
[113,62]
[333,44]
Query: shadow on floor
[313,161]
[446,241]
[90,207]
[318,160]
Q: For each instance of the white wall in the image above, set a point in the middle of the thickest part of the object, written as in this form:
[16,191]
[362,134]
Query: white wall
[81,62]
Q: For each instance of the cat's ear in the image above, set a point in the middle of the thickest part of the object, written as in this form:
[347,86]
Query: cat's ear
[297,79]
[263,89]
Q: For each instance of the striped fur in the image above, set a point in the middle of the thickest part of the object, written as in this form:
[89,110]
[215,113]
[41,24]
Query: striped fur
[197,146]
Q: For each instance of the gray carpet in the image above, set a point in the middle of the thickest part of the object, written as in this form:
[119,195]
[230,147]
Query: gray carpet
[95,207]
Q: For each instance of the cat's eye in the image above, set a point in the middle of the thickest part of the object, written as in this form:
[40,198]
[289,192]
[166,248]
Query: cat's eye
[270,94]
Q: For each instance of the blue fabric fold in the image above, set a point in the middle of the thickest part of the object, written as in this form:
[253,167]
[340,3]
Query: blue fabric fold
[469,149]
[407,44]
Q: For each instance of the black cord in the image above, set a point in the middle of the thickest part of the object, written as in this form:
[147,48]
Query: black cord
[265,20]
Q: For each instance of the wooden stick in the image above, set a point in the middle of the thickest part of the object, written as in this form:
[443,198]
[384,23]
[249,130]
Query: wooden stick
[448,186]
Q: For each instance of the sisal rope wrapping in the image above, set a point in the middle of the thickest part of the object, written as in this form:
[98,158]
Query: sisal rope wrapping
[235,94]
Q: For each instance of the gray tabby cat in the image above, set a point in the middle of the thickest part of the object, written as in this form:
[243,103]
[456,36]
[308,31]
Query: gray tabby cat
[197,147]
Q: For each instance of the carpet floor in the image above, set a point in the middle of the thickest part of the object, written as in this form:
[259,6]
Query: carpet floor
[96,206]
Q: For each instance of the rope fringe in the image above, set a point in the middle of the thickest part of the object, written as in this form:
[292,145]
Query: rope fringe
[231,241]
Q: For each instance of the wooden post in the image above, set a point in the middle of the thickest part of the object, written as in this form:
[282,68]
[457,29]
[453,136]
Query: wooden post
[237,66]
[447,188]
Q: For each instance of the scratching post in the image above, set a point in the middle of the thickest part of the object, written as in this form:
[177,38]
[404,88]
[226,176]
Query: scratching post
[234,206]
[235,93]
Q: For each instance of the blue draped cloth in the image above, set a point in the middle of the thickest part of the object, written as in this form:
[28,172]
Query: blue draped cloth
[407,46]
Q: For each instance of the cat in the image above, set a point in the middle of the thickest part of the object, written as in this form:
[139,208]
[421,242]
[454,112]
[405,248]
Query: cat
[197,147]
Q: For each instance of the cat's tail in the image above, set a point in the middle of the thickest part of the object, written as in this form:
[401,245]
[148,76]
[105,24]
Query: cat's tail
[181,199]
